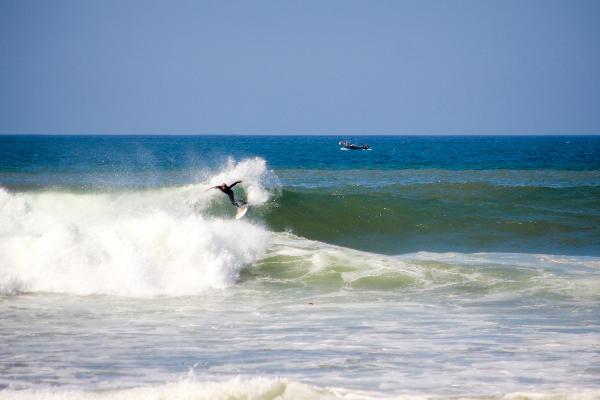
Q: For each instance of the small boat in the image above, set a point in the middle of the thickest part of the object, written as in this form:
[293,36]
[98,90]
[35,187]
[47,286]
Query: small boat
[347,145]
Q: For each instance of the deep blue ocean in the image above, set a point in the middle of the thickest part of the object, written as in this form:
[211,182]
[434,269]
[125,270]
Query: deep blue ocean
[430,266]
[159,153]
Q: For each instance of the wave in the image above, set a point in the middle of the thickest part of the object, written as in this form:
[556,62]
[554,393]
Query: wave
[443,217]
[138,243]
[182,240]
[265,389]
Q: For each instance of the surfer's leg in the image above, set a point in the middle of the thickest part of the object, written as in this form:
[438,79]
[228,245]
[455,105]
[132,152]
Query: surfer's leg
[236,203]
[232,200]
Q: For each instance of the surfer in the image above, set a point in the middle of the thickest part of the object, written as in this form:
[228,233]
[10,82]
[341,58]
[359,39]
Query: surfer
[223,187]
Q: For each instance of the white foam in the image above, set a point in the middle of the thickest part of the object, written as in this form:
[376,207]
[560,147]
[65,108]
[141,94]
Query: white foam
[189,389]
[144,243]
[263,389]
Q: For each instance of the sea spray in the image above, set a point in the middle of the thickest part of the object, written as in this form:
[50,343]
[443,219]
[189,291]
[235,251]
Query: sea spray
[258,181]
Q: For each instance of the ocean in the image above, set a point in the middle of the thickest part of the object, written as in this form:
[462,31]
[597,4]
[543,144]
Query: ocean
[430,267]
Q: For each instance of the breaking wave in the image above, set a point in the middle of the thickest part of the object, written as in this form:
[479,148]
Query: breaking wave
[182,240]
[134,243]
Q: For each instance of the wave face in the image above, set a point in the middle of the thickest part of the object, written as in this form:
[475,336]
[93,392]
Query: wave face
[137,243]
[447,216]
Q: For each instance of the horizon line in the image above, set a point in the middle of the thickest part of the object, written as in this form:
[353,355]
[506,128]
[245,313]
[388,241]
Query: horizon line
[306,134]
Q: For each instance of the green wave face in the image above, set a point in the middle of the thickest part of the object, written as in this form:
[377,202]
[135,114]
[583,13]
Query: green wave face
[440,217]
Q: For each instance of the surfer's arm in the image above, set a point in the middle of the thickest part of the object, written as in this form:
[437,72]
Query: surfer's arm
[234,183]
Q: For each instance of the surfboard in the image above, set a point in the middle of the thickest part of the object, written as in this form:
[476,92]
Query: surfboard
[241,212]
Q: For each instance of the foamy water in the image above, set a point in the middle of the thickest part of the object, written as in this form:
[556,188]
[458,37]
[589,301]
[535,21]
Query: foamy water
[309,320]
[260,389]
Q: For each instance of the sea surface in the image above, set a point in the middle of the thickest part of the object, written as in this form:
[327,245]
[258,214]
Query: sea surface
[425,268]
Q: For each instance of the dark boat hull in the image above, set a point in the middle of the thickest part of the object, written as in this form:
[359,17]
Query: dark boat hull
[349,146]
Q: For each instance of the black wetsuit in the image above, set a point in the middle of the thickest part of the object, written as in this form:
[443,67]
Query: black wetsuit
[227,190]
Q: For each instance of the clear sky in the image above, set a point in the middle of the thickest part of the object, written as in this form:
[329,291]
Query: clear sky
[300,67]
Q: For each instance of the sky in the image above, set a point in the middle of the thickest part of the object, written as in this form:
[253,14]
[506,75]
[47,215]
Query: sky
[300,67]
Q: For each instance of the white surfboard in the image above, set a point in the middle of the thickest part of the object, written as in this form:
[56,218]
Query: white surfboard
[241,212]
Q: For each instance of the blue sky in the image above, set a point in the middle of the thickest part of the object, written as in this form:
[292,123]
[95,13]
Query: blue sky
[300,67]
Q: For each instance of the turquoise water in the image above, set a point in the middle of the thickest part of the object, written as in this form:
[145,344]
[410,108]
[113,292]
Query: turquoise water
[429,266]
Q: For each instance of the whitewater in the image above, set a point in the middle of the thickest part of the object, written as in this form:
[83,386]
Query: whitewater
[148,243]
[130,291]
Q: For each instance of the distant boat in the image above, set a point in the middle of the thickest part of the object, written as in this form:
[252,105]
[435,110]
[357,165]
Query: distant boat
[347,145]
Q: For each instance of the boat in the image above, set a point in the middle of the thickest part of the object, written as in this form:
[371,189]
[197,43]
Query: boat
[347,145]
